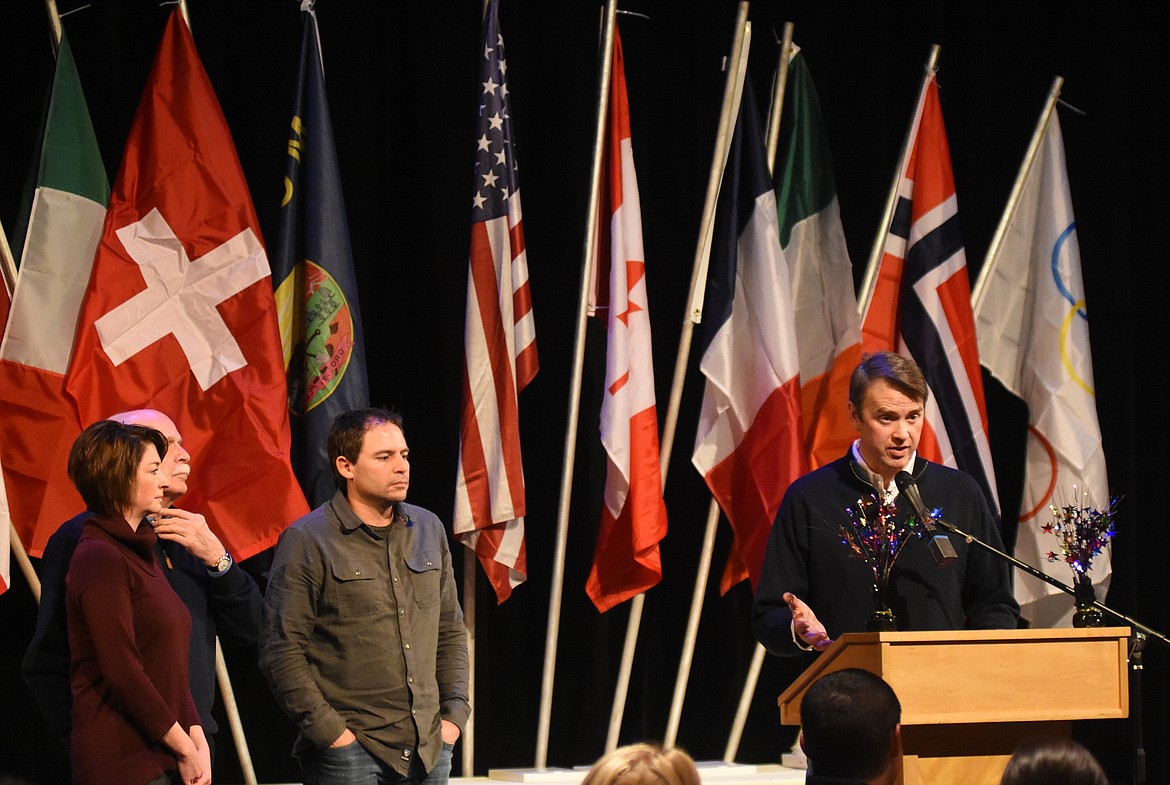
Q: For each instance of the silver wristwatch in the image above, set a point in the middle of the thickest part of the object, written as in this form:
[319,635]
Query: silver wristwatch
[224,562]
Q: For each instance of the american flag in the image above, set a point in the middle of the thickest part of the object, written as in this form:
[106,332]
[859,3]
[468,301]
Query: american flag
[499,340]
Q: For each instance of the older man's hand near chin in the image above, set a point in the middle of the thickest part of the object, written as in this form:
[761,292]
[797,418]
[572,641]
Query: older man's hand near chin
[190,530]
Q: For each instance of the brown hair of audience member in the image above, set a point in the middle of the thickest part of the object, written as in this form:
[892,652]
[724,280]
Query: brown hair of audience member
[103,463]
[1053,761]
[643,764]
[348,432]
[901,373]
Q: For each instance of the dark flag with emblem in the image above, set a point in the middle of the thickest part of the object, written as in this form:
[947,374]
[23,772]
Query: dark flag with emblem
[316,290]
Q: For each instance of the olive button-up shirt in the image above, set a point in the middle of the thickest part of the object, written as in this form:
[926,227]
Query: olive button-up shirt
[363,630]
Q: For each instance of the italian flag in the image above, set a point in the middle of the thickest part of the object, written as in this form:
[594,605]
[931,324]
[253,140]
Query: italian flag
[56,255]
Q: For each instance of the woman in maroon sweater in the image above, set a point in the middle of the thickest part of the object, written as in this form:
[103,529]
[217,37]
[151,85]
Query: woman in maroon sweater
[134,721]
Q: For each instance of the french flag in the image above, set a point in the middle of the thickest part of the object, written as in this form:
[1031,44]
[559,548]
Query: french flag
[748,446]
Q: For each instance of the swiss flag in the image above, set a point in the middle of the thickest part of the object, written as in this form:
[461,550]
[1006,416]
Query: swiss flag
[180,314]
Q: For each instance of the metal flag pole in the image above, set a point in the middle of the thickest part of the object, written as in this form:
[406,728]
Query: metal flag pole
[753,675]
[558,576]
[732,92]
[879,243]
[1017,190]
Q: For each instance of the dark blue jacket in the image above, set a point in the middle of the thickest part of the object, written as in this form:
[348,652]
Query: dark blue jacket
[806,556]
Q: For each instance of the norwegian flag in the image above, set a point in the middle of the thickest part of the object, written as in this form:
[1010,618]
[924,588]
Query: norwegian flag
[921,302]
[626,561]
[499,341]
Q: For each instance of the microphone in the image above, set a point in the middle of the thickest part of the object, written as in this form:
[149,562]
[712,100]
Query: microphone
[940,546]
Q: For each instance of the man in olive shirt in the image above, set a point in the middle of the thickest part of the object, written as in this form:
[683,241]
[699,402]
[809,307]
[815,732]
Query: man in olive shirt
[363,641]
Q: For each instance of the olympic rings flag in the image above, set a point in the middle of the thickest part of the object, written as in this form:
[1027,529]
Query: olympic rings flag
[1033,332]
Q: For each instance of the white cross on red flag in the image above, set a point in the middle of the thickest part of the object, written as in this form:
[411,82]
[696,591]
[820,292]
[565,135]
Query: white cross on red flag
[180,315]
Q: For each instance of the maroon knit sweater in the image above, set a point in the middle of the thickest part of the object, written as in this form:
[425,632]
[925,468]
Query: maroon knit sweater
[128,634]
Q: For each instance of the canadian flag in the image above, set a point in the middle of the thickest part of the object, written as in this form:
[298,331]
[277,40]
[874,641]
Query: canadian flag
[180,316]
[626,561]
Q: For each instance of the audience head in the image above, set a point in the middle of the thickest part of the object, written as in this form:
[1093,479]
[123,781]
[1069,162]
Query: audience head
[1053,761]
[851,726]
[104,461]
[643,764]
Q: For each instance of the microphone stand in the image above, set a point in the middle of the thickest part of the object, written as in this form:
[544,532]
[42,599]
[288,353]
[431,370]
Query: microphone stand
[1135,702]
[1141,634]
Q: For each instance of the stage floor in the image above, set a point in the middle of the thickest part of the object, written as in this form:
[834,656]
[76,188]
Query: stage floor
[710,773]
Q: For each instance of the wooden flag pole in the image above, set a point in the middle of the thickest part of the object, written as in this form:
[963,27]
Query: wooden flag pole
[54,24]
[7,266]
[221,672]
[233,714]
[879,243]
[8,273]
[778,88]
[467,738]
[26,568]
[570,451]
[732,92]
[752,678]
[1017,190]
[745,703]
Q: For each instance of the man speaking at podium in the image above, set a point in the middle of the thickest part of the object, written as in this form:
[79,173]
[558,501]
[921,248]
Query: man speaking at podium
[813,588]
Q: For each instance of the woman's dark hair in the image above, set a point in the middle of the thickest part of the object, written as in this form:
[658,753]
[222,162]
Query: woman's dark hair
[104,460]
[1053,761]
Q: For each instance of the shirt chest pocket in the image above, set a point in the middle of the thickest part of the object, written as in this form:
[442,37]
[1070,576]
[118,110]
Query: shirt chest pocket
[424,576]
[357,592]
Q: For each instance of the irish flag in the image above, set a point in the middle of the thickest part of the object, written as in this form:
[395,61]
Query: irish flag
[828,332]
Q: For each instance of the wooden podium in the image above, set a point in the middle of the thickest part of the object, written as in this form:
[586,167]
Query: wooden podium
[969,697]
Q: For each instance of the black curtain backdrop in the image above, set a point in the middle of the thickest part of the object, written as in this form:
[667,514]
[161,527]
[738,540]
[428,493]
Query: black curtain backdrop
[403,81]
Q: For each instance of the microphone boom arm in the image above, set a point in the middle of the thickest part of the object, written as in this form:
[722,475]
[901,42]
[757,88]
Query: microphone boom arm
[1035,573]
